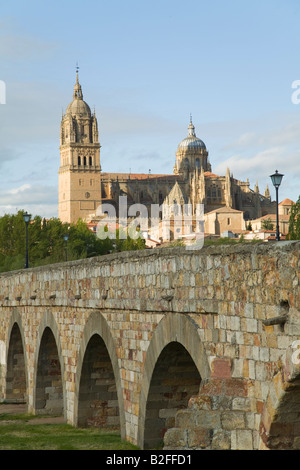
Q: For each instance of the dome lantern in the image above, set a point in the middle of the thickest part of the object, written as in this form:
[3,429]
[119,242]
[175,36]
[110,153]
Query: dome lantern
[191,153]
[191,142]
[78,107]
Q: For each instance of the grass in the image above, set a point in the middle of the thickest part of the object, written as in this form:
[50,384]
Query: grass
[17,433]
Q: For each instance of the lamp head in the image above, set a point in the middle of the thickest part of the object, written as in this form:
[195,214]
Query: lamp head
[26,217]
[276,179]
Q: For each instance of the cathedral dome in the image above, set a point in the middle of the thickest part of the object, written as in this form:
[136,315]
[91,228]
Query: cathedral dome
[191,142]
[78,107]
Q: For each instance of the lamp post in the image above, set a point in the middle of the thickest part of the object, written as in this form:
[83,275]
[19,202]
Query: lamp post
[276,180]
[26,218]
[66,238]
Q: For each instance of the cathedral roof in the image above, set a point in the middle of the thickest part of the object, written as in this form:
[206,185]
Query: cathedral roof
[191,142]
[78,107]
[140,176]
[209,174]
[225,209]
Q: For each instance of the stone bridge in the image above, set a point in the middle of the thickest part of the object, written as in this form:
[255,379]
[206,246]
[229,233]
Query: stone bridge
[185,349]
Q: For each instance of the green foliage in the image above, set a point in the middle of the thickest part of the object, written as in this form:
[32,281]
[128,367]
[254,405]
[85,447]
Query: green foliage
[125,242]
[267,224]
[46,244]
[294,222]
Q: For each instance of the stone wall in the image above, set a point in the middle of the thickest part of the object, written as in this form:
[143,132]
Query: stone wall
[228,316]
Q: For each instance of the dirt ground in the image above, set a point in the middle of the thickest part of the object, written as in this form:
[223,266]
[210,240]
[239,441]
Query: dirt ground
[14,409]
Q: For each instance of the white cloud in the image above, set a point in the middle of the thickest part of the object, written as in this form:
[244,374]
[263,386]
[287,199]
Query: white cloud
[19,190]
[266,133]
[37,199]
[258,164]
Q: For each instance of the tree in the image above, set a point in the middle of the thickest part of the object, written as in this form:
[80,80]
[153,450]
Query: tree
[267,224]
[124,242]
[294,222]
[46,243]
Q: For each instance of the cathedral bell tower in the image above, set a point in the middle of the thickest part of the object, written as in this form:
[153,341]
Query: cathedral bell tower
[80,171]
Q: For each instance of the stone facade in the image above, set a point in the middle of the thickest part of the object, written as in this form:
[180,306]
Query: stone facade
[193,348]
[79,190]
[83,188]
[221,220]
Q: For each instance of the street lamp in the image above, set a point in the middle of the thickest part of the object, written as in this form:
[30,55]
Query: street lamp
[66,238]
[276,180]
[26,218]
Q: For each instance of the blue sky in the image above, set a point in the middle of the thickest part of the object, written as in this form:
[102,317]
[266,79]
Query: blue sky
[145,66]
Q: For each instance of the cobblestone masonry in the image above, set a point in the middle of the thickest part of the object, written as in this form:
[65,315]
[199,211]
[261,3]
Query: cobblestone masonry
[193,347]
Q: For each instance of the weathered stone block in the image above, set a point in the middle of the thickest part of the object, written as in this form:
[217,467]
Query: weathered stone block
[232,420]
[221,440]
[176,438]
[199,438]
[221,367]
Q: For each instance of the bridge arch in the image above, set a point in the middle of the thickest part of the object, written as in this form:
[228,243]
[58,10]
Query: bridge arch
[279,428]
[175,350]
[49,385]
[16,364]
[98,390]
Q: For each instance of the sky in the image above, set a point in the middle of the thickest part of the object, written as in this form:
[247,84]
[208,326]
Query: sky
[146,66]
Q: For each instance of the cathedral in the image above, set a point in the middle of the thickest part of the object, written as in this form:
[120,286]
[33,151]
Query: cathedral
[228,203]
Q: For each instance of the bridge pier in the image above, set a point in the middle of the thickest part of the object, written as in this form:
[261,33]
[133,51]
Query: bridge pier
[217,418]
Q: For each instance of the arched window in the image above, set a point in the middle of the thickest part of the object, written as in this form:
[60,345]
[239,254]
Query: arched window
[186,163]
[90,161]
[197,163]
[79,161]
[84,161]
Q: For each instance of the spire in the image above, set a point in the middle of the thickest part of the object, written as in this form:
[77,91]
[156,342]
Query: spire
[267,192]
[191,128]
[77,88]
[228,197]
